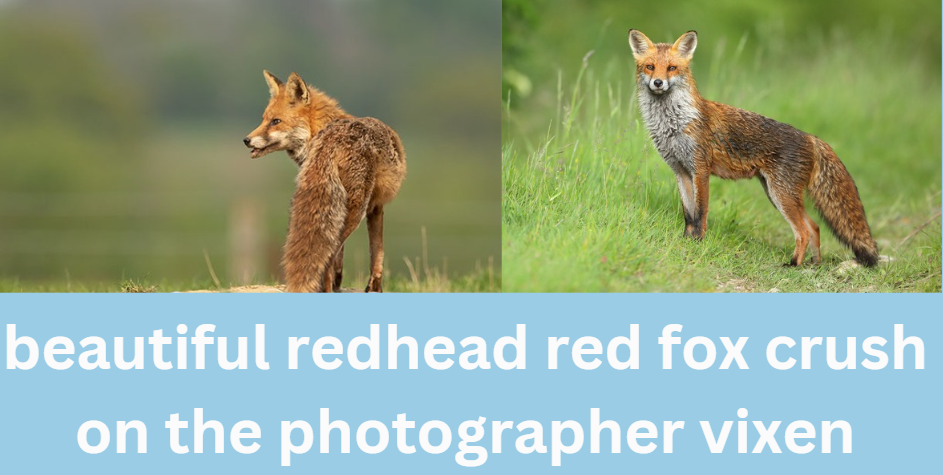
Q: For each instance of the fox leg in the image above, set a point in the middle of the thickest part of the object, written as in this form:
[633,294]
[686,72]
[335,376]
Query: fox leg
[339,269]
[793,211]
[375,229]
[688,202]
[804,228]
[335,273]
[813,238]
[701,195]
[327,283]
[694,196]
[795,214]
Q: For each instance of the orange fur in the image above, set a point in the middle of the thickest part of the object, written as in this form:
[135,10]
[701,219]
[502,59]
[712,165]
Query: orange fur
[699,138]
[349,168]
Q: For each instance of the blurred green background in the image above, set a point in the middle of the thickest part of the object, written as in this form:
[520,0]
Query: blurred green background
[121,125]
[590,206]
[544,38]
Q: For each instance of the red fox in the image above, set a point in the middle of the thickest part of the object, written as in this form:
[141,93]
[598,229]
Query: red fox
[349,168]
[697,138]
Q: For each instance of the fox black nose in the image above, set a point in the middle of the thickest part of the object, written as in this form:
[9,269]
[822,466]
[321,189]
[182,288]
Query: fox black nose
[246,141]
[658,83]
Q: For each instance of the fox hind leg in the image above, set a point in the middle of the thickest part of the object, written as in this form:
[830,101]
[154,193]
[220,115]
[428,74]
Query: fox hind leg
[793,211]
[339,269]
[804,228]
[796,216]
[335,271]
[337,263]
[813,239]
[375,230]
[327,284]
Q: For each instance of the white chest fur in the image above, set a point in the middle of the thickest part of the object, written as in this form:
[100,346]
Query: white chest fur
[667,116]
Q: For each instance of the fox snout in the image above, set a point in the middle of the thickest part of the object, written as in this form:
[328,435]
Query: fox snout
[259,145]
[658,86]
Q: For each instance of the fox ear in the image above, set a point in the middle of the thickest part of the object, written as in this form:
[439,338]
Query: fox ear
[297,89]
[273,82]
[686,45]
[639,43]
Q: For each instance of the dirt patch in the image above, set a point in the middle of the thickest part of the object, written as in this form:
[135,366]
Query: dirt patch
[243,289]
[742,285]
[257,289]
[736,285]
[852,264]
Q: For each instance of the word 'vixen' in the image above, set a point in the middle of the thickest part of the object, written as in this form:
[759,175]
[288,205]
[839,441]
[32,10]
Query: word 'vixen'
[697,138]
[349,168]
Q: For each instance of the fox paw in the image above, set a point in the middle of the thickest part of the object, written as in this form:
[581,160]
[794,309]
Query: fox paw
[792,263]
[374,285]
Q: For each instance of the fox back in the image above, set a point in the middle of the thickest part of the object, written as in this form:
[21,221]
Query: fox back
[349,168]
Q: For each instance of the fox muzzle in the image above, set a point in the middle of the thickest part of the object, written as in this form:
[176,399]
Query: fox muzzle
[658,86]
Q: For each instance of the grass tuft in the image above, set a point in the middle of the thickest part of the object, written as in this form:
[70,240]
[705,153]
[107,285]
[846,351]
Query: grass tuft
[133,287]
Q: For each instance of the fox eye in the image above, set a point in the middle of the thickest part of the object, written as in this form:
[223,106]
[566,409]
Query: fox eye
[275,122]
[672,68]
[650,67]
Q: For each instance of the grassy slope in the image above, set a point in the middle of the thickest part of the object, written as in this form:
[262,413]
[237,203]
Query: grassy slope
[590,206]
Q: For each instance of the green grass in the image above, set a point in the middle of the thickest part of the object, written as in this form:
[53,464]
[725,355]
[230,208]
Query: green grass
[590,206]
[483,279]
[85,286]
[423,276]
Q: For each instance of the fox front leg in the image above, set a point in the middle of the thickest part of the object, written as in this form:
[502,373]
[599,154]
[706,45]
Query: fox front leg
[701,195]
[694,197]
[688,202]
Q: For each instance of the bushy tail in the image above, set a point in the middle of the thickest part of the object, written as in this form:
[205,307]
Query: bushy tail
[836,197]
[318,210]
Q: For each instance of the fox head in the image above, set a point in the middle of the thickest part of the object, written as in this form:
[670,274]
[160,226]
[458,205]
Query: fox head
[291,118]
[661,66]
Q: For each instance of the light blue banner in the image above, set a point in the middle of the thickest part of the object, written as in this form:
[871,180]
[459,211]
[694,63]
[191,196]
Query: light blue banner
[889,419]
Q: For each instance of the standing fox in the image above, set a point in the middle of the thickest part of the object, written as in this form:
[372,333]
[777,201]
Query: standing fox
[349,168]
[697,138]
